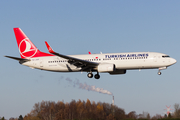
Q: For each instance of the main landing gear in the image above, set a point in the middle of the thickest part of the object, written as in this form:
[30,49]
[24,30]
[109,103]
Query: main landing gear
[90,75]
[96,76]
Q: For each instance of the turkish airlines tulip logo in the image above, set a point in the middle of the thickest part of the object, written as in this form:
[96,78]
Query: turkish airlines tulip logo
[26,48]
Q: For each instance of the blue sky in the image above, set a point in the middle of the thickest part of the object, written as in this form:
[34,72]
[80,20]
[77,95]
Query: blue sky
[76,27]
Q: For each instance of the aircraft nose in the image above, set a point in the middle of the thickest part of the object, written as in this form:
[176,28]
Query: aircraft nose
[173,61]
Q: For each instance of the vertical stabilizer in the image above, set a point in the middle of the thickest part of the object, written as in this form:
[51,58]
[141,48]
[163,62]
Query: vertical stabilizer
[26,48]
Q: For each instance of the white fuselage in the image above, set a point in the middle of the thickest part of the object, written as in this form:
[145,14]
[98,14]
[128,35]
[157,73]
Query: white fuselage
[112,63]
[122,61]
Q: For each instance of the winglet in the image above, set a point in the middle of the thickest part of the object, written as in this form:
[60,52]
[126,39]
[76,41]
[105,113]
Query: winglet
[49,48]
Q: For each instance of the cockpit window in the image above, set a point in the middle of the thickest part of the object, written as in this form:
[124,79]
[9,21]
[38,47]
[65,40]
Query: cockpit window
[165,56]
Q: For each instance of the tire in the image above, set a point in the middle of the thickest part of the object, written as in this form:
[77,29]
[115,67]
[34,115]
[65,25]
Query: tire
[90,75]
[97,76]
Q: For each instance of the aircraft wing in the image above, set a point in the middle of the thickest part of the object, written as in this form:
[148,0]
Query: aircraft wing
[85,65]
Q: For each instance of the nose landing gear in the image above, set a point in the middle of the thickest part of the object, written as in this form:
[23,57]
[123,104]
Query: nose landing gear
[159,73]
[161,68]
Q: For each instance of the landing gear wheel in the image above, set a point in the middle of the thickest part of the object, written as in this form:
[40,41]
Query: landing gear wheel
[159,73]
[90,75]
[97,76]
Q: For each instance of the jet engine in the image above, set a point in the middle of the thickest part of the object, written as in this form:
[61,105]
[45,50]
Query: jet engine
[106,67]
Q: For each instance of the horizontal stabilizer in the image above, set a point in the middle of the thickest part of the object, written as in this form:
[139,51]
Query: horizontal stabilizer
[16,58]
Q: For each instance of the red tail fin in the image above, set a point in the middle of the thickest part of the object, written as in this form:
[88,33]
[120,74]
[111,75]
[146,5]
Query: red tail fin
[26,48]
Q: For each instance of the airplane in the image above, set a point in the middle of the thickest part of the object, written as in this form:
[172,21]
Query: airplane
[112,63]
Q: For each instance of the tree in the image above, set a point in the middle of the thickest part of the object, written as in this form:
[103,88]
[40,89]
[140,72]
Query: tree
[176,111]
[144,115]
[100,111]
[132,115]
[110,117]
[72,107]
[119,113]
[60,110]
[80,110]
[88,111]
[148,116]
[20,117]
[169,116]
[66,111]
[29,117]
[11,118]
[165,116]
[157,117]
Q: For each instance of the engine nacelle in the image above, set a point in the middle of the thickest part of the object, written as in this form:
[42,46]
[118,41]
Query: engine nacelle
[118,72]
[106,67]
